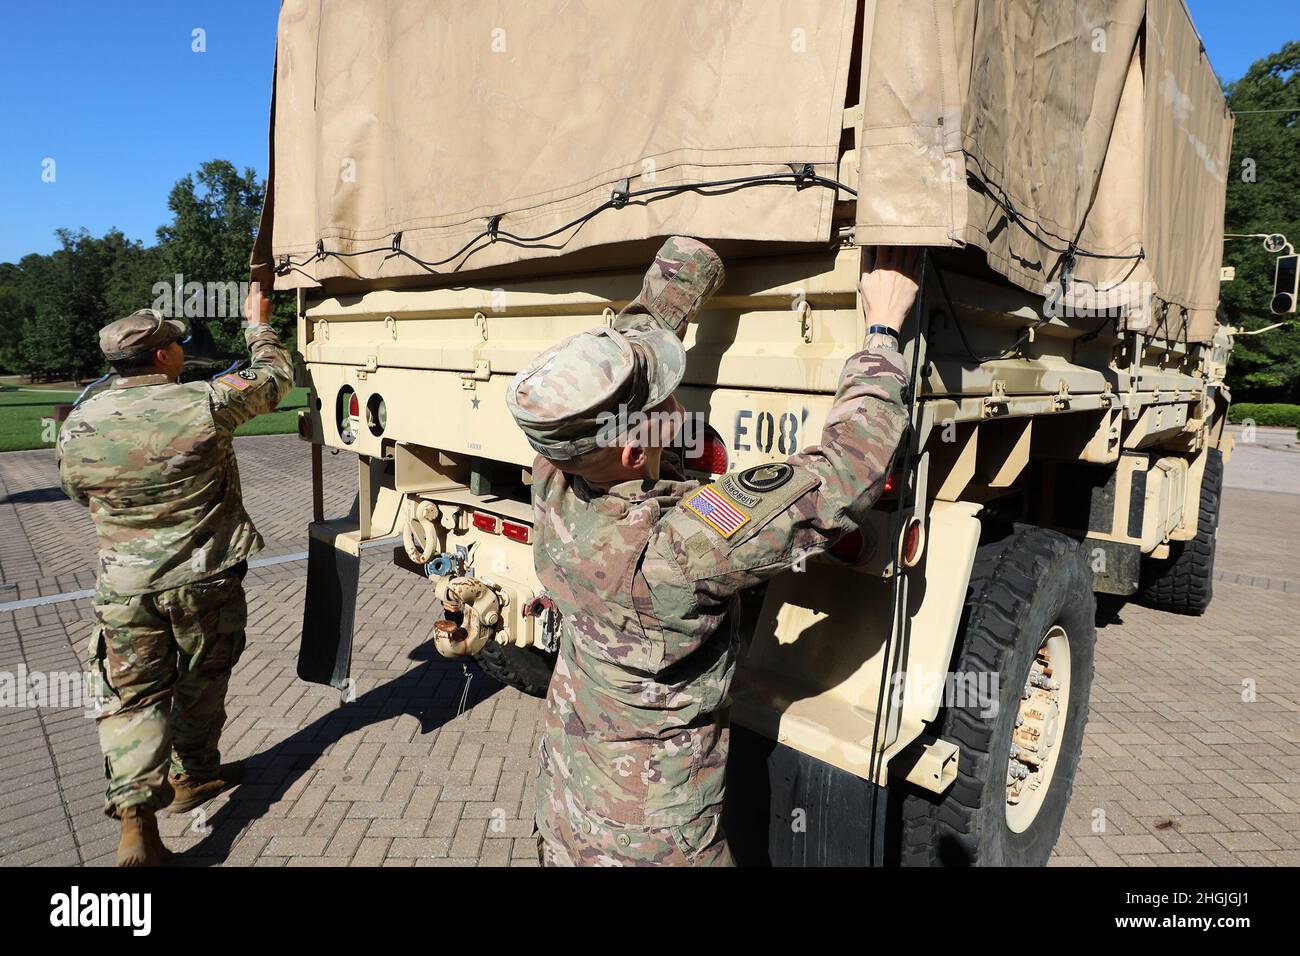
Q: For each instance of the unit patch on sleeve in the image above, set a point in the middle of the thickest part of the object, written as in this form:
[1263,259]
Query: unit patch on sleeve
[765,478]
[717,511]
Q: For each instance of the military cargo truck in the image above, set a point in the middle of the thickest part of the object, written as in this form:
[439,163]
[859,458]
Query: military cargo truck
[456,187]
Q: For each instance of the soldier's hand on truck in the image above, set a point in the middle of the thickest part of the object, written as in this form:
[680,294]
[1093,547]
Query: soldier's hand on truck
[257,308]
[888,288]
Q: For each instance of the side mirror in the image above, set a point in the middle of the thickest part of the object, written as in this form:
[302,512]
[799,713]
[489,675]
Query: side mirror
[1286,285]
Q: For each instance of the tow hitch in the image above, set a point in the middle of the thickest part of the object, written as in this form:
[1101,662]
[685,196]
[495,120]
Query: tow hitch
[471,614]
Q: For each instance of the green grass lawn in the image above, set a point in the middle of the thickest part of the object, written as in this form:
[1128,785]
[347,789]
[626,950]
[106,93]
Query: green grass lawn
[282,421]
[22,409]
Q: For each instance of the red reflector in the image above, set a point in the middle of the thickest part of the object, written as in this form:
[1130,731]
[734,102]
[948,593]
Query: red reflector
[484,522]
[849,547]
[515,532]
[354,406]
[889,484]
[912,542]
[712,458]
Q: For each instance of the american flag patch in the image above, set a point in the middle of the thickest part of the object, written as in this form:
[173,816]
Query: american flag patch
[717,511]
[234,381]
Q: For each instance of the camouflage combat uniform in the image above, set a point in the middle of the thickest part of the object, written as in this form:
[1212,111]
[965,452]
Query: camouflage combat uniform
[155,463]
[646,576]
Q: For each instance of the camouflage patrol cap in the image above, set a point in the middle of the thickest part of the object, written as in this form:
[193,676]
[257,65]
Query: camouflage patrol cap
[561,401]
[562,398]
[141,331]
[684,274]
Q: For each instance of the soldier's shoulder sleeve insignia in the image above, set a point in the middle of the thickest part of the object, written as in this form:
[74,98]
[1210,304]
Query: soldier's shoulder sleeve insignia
[717,510]
[234,381]
[764,478]
[249,374]
[739,504]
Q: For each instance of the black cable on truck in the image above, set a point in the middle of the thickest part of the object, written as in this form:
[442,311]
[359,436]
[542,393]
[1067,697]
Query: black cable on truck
[801,176]
[1071,249]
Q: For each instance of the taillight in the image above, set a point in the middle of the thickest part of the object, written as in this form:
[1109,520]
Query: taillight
[354,406]
[913,542]
[485,522]
[515,532]
[712,457]
[891,481]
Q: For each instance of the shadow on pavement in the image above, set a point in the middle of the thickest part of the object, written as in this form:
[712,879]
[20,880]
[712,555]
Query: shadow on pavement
[1109,610]
[34,496]
[269,774]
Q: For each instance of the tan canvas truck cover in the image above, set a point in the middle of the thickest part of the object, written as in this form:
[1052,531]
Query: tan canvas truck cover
[426,140]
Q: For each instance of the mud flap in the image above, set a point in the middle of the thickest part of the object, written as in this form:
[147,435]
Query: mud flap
[785,808]
[325,655]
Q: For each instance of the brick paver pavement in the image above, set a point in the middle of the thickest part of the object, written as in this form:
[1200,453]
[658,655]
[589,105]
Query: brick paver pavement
[1192,753]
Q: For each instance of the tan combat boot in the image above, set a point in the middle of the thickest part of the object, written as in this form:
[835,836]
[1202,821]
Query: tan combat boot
[191,793]
[140,844]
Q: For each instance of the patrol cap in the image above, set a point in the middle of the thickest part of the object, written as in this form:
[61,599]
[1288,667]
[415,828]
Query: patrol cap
[560,400]
[142,331]
[684,274]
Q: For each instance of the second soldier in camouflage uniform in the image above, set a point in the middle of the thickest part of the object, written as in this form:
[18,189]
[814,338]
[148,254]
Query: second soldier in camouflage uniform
[645,567]
[153,459]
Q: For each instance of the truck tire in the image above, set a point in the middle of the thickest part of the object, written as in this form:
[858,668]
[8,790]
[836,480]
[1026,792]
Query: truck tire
[1184,582]
[524,668]
[1029,600]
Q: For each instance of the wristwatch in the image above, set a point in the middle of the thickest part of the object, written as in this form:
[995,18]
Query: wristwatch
[881,338]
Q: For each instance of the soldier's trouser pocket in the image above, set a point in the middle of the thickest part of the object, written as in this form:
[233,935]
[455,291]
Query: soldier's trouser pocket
[574,836]
[208,619]
[702,842]
[133,664]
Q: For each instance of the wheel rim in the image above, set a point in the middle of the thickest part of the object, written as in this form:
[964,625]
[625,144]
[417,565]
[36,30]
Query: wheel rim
[1038,730]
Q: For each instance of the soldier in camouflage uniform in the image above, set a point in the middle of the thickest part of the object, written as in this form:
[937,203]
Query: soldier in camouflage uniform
[153,460]
[645,567]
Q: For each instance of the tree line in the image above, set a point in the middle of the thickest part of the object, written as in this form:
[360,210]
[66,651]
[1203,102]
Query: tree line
[53,306]
[1263,197]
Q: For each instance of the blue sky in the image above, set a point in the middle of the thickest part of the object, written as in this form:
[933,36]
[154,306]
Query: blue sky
[113,93]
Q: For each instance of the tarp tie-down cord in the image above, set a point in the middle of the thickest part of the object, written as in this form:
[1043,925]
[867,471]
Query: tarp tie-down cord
[801,176]
[1070,253]
[1024,336]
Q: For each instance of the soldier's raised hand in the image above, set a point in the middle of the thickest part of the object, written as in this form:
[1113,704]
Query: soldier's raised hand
[257,307]
[888,289]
